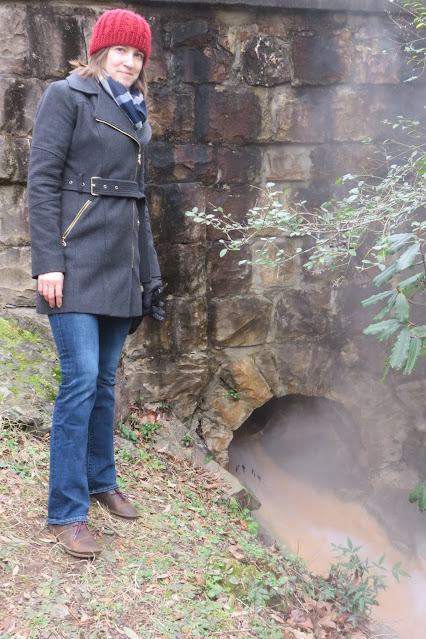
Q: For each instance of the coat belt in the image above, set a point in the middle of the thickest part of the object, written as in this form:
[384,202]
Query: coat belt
[97,186]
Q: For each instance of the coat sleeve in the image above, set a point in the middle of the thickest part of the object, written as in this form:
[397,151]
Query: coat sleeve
[52,135]
[149,267]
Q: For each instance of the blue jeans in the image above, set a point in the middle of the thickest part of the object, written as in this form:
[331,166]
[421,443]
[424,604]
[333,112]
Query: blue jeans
[82,436]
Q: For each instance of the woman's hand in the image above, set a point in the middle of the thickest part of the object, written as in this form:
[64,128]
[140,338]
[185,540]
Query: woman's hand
[50,285]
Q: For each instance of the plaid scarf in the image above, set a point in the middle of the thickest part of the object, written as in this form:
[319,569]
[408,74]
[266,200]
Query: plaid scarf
[132,102]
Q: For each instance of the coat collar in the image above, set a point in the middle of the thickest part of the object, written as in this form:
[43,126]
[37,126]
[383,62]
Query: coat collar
[106,109]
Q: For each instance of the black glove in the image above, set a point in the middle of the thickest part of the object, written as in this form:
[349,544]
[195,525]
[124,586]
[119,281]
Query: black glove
[152,306]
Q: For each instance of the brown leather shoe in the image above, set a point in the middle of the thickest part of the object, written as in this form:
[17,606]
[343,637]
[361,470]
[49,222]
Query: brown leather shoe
[117,504]
[76,539]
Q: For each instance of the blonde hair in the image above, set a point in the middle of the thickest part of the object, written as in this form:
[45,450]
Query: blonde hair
[95,68]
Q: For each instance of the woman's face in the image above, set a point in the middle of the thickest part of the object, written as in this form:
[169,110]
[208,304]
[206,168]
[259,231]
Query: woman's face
[124,64]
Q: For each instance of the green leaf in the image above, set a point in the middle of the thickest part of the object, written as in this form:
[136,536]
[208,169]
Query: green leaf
[223,252]
[375,298]
[402,308]
[413,355]
[389,306]
[397,241]
[387,325]
[419,331]
[408,257]
[386,275]
[411,281]
[399,353]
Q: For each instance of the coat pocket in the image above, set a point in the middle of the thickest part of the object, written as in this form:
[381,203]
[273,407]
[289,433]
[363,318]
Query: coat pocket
[74,222]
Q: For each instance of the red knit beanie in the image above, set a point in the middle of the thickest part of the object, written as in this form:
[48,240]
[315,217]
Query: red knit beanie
[121,26]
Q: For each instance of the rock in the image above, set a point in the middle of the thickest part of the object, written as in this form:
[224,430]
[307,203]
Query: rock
[235,489]
[245,320]
[322,58]
[244,377]
[171,113]
[29,371]
[14,224]
[197,67]
[265,61]
[226,115]
[16,286]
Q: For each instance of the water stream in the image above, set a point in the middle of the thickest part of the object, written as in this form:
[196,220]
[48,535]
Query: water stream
[302,458]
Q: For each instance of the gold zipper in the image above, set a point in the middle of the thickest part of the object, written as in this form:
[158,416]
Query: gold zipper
[135,178]
[129,136]
[74,222]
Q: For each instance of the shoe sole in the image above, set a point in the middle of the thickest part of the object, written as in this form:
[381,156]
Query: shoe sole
[81,555]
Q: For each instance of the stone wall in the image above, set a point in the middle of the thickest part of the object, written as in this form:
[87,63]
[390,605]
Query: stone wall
[239,95]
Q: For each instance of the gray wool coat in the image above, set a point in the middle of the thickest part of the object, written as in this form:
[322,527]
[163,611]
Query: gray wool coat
[88,216]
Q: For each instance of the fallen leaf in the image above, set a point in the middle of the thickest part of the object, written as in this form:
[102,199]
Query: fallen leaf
[8,624]
[15,570]
[236,552]
[151,416]
[167,508]
[84,618]
[276,618]
[130,633]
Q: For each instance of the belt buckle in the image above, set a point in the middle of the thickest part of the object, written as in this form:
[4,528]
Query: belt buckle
[93,186]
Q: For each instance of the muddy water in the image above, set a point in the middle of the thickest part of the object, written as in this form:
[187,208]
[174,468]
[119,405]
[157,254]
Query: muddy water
[303,465]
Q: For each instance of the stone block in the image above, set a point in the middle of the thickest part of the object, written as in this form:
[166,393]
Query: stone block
[14,225]
[19,99]
[191,33]
[54,38]
[234,199]
[221,409]
[265,61]
[180,163]
[13,40]
[184,330]
[171,113]
[179,380]
[331,161]
[227,38]
[226,114]
[266,279]
[359,113]
[225,276]
[295,315]
[17,288]
[244,377]
[239,166]
[300,115]
[183,268]
[157,66]
[168,206]
[198,66]
[239,321]
[322,58]
[377,57]
[14,156]
[189,324]
[287,162]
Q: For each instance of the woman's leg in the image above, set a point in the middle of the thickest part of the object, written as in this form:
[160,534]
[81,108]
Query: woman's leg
[100,450]
[77,340]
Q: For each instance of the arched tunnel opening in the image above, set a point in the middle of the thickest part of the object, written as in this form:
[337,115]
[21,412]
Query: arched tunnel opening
[305,460]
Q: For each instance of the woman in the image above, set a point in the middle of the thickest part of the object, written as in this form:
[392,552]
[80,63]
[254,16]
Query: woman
[92,249]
